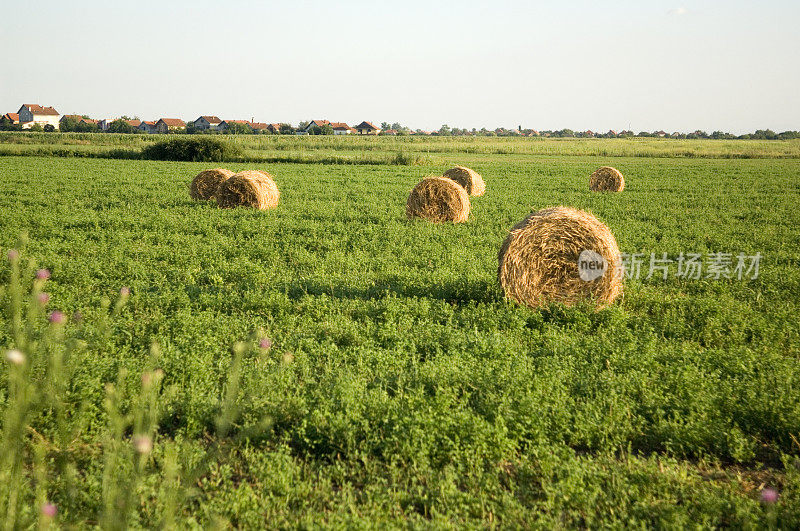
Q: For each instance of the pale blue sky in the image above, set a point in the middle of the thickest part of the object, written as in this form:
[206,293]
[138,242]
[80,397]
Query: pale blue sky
[673,65]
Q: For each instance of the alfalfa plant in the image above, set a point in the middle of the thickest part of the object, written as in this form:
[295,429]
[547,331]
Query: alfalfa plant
[42,423]
[44,434]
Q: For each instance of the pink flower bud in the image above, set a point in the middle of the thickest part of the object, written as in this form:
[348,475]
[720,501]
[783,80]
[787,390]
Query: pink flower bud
[49,510]
[769,496]
[265,343]
[42,274]
[43,298]
[13,254]
[57,317]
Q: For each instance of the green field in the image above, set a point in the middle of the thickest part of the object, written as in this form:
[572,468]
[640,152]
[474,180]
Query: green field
[400,388]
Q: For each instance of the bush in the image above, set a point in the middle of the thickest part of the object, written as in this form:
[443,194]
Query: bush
[191,150]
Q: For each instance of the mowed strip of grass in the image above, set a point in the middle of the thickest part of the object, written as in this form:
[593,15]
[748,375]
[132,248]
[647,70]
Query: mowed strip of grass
[400,386]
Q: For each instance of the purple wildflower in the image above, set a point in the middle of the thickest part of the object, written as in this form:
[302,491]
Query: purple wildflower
[57,317]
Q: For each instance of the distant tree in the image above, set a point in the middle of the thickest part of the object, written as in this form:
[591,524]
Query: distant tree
[7,125]
[192,129]
[314,130]
[236,128]
[286,129]
[49,128]
[83,127]
[120,126]
[788,135]
[326,129]
[765,134]
[68,124]
[444,130]
[36,128]
[302,126]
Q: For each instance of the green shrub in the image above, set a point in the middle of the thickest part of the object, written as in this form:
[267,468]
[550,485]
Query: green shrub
[192,150]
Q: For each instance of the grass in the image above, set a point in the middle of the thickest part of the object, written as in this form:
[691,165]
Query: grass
[399,388]
[403,150]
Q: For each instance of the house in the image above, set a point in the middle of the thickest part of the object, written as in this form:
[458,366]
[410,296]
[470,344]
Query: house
[31,114]
[661,134]
[207,123]
[341,128]
[611,133]
[169,125]
[390,132]
[104,123]
[258,126]
[274,128]
[11,117]
[367,128]
[88,121]
[147,127]
[588,134]
[134,123]
[315,123]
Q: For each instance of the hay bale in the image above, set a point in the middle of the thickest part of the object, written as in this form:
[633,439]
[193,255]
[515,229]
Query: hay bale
[250,188]
[438,199]
[469,179]
[538,261]
[205,184]
[607,179]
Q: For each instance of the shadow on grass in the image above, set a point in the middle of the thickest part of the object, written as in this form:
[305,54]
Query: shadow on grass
[460,292]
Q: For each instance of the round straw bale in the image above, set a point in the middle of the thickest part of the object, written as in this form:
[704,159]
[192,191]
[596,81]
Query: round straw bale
[438,199]
[539,260]
[205,184]
[248,188]
[469,179]
[607,179]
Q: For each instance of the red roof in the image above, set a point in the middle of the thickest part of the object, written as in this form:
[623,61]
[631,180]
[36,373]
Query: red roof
[340,126]
[212,119]
[14,117]
[151,124]
[38,109]
[88,121]
[75,116]
[320,123]
[258,125]
[134,123]
[173,122]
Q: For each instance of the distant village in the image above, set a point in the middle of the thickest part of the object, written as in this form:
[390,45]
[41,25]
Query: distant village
[35,117]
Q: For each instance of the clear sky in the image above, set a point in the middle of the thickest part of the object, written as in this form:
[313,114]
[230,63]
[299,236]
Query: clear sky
[673,65]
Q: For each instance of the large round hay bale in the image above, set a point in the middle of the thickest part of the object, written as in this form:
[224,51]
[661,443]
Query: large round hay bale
[438,199]
[539,260]
[205,184]
[468,178]
[607,179]
[250,188]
